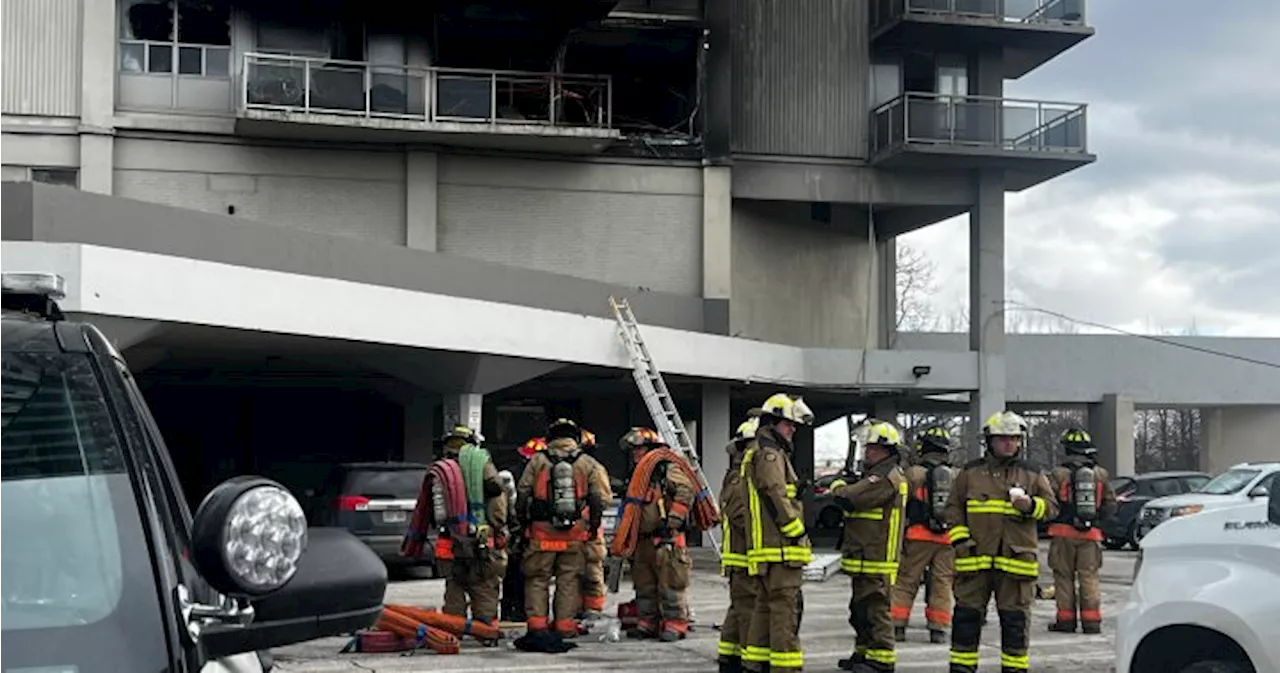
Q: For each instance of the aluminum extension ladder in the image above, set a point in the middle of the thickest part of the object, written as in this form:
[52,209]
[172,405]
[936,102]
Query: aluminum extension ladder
[658,399]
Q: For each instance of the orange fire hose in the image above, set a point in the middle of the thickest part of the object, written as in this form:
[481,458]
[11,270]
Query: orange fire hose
[439,640]
[458,626]
[704,514]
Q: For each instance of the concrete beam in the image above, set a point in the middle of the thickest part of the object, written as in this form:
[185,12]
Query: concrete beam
[986,295]
[123,333]
[1233,435]
[1111,424]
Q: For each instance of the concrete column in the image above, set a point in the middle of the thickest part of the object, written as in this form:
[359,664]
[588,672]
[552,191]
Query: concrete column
[803,460]
[717,276]
[986,295]
[1111,424]
[463,409]
[1233,435]
[714,428]
[97,95]
[421,177]
[887,251]
[420,428]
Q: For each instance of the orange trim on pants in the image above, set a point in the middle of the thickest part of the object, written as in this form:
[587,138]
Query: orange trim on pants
[902,612]
[1070,532]
[939,617]
[539,623]
[1066,616]
[922,533]
[567,627]
[1090,615]
[593,603]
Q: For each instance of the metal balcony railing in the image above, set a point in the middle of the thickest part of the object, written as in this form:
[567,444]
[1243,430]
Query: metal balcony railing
[980,122]
[373,91]
[1031,12]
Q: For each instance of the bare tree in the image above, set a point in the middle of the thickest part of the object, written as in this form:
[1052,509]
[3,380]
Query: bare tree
[915,284]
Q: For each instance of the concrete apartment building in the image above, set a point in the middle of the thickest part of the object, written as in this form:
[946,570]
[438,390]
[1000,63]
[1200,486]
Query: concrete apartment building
[321,229]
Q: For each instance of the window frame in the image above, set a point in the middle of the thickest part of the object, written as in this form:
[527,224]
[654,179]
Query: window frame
[175,48]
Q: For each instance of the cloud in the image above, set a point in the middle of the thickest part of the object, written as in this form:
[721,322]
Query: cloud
[1179,220]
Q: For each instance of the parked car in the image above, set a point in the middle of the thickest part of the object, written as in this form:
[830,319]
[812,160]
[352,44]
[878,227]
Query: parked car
[829,515]
[1132,492]
[1239,485]
[373,501]
[107,570]
[1203,597]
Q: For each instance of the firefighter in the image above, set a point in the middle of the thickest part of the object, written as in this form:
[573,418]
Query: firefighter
[513,582]
[1085,500]
[927,550]
[473,567]
[660,568]
[563,507]
[873,506]
[593,586]
[995,503]
[778,547]
[733,556]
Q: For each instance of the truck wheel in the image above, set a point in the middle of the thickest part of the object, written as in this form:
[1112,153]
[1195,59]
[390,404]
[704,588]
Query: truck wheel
[1218,667]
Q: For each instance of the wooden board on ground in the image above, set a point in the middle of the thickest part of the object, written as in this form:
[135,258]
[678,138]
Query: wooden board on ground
[822,567]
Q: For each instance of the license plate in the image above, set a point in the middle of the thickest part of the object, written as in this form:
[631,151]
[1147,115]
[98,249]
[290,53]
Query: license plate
[394,517]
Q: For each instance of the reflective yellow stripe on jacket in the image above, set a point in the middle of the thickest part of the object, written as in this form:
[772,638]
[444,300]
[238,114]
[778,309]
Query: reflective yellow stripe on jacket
[1012,566]
[729,559]
[889,566]
[757,553]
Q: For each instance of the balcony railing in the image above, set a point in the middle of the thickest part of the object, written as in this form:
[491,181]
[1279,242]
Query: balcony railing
[373,91]
[979,122]
[1029,12]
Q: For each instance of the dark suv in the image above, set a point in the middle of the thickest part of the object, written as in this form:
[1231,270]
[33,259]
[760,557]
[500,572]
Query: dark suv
[1133,492]
[104,568]
[374,501]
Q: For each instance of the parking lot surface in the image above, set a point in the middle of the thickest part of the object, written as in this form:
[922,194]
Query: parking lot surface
[825,633]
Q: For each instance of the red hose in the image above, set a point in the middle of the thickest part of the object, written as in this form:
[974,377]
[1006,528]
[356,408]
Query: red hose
[422,523]
[704,514]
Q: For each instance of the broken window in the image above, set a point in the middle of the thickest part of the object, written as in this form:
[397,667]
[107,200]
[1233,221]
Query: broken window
[184,38]
[654,75]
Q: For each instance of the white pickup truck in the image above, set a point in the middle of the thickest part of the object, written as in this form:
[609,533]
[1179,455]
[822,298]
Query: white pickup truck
[1206,594]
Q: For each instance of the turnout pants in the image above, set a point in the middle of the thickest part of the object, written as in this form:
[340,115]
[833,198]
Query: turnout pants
[593,588]
[1075,560]
[474,583]
[919,556]
[737,620]
[869,617]
[512,605]
[1013,604]
[661,578]
[773,637]
[539,569]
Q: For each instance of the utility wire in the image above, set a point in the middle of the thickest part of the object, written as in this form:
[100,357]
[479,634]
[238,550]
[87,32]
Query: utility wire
[1148,337]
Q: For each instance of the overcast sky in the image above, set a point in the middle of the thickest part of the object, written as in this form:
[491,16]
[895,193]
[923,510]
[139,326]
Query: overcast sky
[1179,219]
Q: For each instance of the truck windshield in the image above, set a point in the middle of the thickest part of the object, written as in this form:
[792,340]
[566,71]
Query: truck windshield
[1229,482]
[75,568]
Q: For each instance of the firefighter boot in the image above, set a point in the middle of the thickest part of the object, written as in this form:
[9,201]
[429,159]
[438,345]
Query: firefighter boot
[900,634]
[852,663]
[730,664]
[1063,627]
[1091,628]
[937,636]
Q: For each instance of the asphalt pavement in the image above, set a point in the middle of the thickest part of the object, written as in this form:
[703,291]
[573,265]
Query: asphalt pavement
[825,633]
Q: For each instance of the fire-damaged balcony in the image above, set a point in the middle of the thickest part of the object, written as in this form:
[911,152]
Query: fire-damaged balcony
[331,99]
[1032,141]
[1030,32]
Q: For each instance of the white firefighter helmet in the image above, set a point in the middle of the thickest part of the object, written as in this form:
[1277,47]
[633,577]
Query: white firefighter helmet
[747,429]
[1005,423]
[876,431]
[782,405]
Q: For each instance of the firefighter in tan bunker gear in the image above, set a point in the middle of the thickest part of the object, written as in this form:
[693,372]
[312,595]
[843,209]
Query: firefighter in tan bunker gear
[778,548]
[661,566]
[593,585]
[1085,500]
[562,505]
[926,553]
[733,554]
[873,500]
[995,503]
[473,566]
